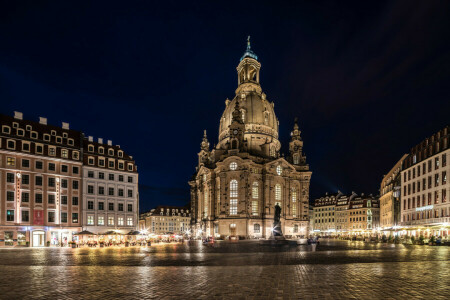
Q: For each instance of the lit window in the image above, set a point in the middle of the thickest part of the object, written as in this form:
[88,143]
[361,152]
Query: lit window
[10,161]
[90,220]
[256,228]
[101,220]
[52,151]
[120,221]
[64,153]
[110,221]
[278,194]
[296,159]
[205,203]
[130,221]
[255,190]
[233,197]
[255,208]
[233,166]
[279,170]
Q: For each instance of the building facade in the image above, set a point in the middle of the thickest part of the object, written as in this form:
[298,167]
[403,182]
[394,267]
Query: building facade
[324,214]
[364,215]
[238,183]
[46,176]
[425,208]
[166,220]
[110,188]
[40,182]
[390,197]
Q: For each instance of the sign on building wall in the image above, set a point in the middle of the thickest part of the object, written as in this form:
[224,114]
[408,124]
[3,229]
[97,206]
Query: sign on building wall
[38,217]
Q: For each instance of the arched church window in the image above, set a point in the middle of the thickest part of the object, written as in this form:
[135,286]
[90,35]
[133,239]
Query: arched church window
[233,166]
[256,228]
[278,194]
[243,115]
[266,118]
[233,144]
[205,205]
[233,196]
[255,190]
[294,194]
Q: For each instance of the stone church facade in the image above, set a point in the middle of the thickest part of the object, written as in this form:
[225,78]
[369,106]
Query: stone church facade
[238,183]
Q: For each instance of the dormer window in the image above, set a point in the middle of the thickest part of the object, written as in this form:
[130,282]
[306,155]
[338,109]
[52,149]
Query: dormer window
[91,148]
[59,139]
[6,129]
[53,132]
[15,125]
[111,152]
[46,137]
[65,135]
[101,162]
[70,142]
[91,160]
[34,135]
[28,128]
[101,150]
[130,167]
[20,132]
[76,155]
[120,153]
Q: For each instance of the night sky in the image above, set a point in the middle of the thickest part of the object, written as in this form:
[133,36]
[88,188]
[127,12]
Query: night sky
[367,79]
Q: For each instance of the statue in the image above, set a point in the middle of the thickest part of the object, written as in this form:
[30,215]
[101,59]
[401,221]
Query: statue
[276,221]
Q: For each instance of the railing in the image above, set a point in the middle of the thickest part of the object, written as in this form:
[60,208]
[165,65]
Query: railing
[427,221]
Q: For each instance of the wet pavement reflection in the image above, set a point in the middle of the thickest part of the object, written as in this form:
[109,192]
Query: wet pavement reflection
[245,269]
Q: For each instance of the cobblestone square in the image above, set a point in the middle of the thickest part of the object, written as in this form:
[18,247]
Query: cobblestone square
[243,270]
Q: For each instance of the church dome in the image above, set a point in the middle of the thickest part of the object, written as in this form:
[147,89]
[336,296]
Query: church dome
[257,113]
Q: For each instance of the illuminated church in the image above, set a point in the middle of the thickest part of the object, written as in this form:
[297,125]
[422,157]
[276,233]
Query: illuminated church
[238,183]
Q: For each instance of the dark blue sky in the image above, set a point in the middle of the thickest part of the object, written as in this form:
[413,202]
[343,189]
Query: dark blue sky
[367,79]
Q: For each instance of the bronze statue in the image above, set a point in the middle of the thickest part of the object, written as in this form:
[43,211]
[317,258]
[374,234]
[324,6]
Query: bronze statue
[276,221]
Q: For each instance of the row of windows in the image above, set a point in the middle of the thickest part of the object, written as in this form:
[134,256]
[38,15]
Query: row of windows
[101,150]
[111,206]
[25,198]
[416,201]
[111,219]
[11,161]
[51,181]
[411,188]
[34,135]
[51,215]
[411,174]
[111,163]
[111,191]
[39,149]
[111,176]
[429,214]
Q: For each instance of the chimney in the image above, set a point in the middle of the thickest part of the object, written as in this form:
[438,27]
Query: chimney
[109,142]
[90,139]
[100,140]
[18,115]
[65,125]
[42,121]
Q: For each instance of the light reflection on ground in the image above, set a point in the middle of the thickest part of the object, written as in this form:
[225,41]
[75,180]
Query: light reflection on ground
[333,269]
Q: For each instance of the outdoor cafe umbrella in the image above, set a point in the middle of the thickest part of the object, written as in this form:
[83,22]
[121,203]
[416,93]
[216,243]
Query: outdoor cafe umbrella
[84,232]
[110,233]
[134,232]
